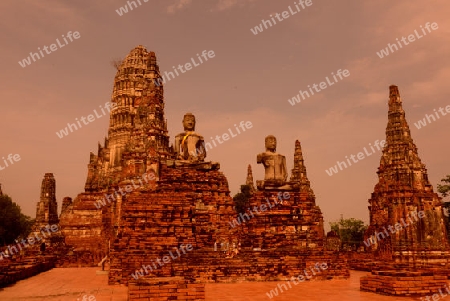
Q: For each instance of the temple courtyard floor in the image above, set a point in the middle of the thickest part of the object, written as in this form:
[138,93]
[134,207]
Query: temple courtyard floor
[84,284]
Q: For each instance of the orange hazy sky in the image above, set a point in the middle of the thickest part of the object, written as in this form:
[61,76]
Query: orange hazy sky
[250,78]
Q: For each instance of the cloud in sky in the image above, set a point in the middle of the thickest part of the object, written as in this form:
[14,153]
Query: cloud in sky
[226,4]
[178,5]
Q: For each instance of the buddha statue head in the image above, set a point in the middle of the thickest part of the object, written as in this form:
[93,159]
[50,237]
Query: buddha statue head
[189,122]
[271,143]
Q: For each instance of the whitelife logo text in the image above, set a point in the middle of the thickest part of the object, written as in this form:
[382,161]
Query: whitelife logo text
[35,56]
[283,16]
[187,66]
[86,120]
[391,48]
[360,156]
[319,87]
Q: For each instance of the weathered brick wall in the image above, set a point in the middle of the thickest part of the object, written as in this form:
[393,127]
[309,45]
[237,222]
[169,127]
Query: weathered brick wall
[20,268]
[403,283]
[193,206]
[210,266]
[85,231]
[188,206]
[294,222]
[162,289]
[207,265]
[81,222]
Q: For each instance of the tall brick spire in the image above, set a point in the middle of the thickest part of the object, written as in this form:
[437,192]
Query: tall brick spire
[249,180]
[403,190]
[139,104]
[298,173]
[137,134]
[400,160]
[47,207]
[397,129]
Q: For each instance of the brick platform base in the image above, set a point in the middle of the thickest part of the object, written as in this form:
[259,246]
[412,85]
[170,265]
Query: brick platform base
[165,288]
[400,283]
[14,270]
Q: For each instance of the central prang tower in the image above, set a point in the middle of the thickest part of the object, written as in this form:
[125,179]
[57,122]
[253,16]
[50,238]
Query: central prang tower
[137,134]
[143,197]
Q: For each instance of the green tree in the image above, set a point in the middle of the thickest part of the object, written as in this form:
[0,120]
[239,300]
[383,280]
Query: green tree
[350,231]
[444,188]
[13,223]
[241,198]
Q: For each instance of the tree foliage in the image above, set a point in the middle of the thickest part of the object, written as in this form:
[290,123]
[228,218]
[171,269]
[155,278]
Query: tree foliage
[13,223]
[350,231]
[444,188]
[241,199]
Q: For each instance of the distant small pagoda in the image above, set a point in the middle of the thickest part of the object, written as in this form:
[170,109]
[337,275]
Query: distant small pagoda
[47,207]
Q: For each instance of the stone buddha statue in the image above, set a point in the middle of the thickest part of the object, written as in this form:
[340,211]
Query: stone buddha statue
[274,165]
[189,146]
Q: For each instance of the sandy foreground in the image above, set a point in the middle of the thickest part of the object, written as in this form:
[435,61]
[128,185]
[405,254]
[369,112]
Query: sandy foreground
[74,284]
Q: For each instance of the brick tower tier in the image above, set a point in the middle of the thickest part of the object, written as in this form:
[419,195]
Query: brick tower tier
[136,168]
[187,205]
[137,140]
[405,214]
[191,206]
[47,207]
[291,217]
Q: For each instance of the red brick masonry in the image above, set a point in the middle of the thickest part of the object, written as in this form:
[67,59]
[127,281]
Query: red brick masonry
[400,283]
[165,288]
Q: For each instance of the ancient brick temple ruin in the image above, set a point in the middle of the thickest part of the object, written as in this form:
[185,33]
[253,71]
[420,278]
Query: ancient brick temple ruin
[292,218]
[139,201]
[27,257]
[46,230]
[161,212]
[404,195]
[282,231]
[47,207]
[137,141]
[406,231]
